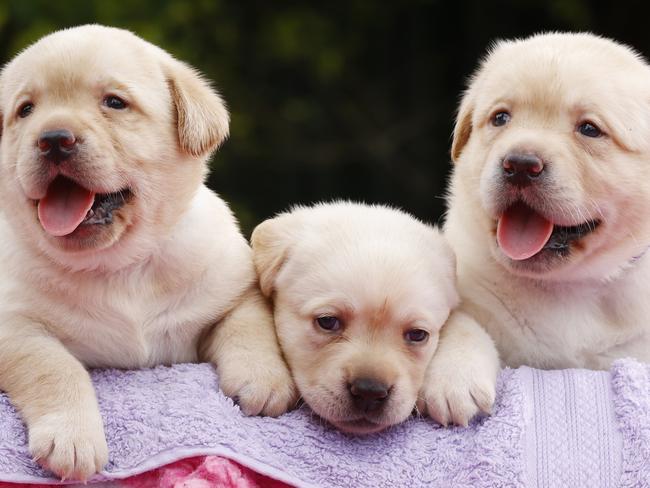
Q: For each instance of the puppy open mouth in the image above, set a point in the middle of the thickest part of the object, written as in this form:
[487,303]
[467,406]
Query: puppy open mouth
[67,205]
[523,233]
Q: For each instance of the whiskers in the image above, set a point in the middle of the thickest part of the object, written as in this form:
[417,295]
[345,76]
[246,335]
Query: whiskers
[577,214]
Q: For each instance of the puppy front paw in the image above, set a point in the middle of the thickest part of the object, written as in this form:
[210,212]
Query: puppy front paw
[455,393]
[71,444]
[260,383]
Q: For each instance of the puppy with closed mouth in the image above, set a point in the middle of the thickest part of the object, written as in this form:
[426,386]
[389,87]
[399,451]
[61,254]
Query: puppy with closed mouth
[549,206]
[360,294]
[115,254]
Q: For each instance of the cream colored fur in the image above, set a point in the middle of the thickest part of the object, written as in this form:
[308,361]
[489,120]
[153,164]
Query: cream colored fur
[146,289]
[381,273]
[590,307]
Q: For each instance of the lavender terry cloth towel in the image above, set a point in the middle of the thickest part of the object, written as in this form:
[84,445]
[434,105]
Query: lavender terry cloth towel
[572,428]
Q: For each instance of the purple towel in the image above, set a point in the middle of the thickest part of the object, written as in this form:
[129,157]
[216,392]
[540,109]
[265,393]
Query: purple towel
[549,428]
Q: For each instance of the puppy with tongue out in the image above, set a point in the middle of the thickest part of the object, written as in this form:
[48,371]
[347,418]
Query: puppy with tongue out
[549,212]
[115,254]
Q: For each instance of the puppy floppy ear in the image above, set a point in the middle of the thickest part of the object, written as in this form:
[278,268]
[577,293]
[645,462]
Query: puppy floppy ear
[201,114]
[271,242]
[463,128]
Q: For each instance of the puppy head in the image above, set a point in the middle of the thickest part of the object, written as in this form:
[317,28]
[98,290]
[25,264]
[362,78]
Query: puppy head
[105,139]
[360,294]
[551,147]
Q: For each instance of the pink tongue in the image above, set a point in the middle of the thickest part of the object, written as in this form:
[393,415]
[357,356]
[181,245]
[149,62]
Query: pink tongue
[64,206]
[522,232]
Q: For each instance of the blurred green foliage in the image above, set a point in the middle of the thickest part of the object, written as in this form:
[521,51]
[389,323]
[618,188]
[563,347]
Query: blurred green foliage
[343,99]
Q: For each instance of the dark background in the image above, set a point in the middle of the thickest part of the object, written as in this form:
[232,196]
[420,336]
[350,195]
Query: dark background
[342,99]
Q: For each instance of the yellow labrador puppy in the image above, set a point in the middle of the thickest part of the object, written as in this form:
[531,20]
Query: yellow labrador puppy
[360,293]
[549,208]
[114,252]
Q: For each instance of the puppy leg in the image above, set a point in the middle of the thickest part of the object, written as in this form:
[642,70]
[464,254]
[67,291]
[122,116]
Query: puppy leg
[461,378]
[245,350]
[54,394]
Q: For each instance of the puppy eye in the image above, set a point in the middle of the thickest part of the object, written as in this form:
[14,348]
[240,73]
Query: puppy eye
[25,109]
[589,129]
[329,323]
[500,118]
[416,335]
[115,102]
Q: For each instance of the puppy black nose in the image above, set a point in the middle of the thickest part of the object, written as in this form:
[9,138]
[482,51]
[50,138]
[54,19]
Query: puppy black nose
[57,145]
[521,169]
[368,394]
